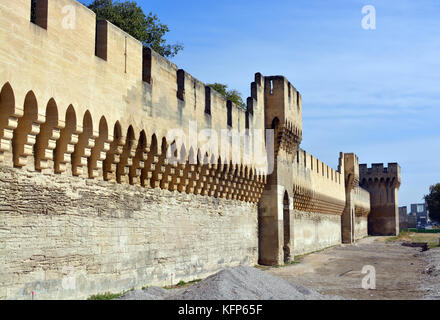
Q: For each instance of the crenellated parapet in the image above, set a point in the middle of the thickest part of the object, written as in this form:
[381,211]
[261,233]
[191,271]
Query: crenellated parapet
[378,172]
[316,186]
[103,107]
[349,164]
[283,113]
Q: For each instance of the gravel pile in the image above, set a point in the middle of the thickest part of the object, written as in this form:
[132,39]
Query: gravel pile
[240,283]
[431,275]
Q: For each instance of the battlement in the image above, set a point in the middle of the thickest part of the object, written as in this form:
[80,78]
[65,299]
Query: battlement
[307,161]
[317,186]
[100,70]
[378,170]
[349,167]
[383,184]
[280,83]
[282,102]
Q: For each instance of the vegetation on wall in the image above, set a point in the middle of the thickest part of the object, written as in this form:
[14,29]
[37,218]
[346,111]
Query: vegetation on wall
[129,17]
[231,94]
[433,202]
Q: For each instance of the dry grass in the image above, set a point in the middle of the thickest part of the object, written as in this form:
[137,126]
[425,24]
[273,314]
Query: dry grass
[431,238]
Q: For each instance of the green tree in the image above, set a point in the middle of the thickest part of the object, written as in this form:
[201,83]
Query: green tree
[433,202]
[131,18]
[232,94]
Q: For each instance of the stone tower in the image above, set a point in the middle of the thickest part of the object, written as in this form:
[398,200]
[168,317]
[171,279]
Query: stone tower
[351,175]
[283,114]
[383,184]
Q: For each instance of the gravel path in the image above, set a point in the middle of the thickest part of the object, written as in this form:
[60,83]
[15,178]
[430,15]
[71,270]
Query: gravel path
[240,283]
[430,282]
[403,273]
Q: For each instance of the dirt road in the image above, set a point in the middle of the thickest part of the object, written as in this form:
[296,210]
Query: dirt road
[338,270]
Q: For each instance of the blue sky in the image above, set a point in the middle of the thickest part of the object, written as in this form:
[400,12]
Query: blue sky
[375,93]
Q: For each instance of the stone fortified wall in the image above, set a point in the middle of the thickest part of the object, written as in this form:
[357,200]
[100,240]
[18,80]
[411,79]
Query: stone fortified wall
[357,208]
[106,180]
[69,238]
[303,199]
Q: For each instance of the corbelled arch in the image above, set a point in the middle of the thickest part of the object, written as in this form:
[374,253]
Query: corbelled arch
[158,173]
[150,162]
[65,145]
[127,155]
[210,186]
[86,141]
[172,172]
[47,138]
[99,151]
[203,165]
[113,154]
[190,171]
[8,118]
[238,186]
[81,144]
[229,175]
[198,168]
[27,129]
[220,178]
[139,159]
[211,179]
[183,169]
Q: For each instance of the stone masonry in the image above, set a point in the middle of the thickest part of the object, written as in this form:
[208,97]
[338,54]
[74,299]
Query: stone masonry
[107,182]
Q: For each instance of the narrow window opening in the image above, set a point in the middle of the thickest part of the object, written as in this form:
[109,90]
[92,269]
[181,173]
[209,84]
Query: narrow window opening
[305,159]
[229,107]
[195,94]
[208,100]
[125,54]
[38,13]
[250,105]
[181,84]
[101,39]
[33,11]
[146,65]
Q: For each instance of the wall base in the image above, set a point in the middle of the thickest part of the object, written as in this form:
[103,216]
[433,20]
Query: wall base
[69,238]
